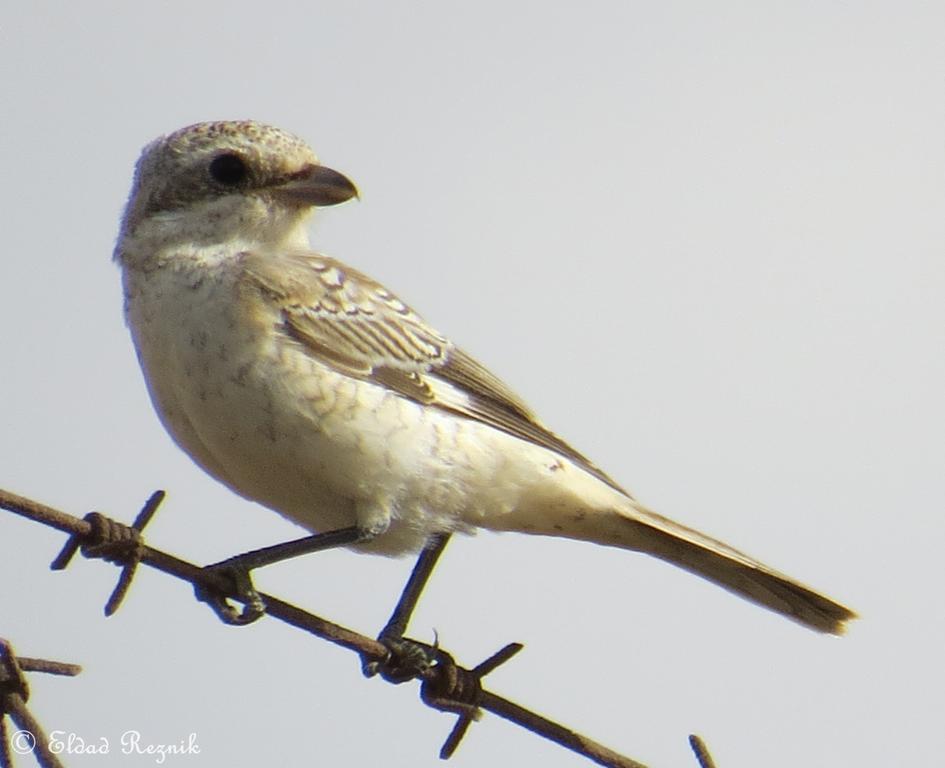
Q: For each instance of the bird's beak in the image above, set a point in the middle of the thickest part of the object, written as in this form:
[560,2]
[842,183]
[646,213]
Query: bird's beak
[316,185]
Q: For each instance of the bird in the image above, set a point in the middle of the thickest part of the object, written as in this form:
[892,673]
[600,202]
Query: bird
[306,386]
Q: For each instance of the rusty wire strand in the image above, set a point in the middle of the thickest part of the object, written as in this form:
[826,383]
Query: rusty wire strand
[701,751]
[12,704]
[29,664]
[6,755]
[436,688]
[14,693]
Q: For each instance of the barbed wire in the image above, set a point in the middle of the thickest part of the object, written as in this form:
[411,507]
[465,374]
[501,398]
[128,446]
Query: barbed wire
[14,693]
[701,751]
[444,684]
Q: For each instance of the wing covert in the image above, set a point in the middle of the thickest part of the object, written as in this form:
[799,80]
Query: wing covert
[355,325]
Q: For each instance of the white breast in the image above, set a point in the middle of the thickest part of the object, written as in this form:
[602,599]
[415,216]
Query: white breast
[265,417]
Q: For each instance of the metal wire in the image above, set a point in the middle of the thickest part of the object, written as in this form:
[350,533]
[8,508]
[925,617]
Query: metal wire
[445,685]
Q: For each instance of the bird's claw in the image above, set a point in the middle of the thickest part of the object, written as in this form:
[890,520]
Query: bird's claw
[224,581]
[405,660]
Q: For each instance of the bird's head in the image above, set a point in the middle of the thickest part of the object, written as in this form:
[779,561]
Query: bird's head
[220,181]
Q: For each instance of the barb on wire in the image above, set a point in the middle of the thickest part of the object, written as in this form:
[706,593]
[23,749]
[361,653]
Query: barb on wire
[701,751]
[445,685]
[114,542]
[14,693]
[460,691]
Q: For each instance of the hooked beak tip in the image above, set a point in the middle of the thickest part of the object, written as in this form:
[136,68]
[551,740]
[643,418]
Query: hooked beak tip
[318,185]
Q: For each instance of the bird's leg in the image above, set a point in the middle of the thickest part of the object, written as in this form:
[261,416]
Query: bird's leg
[231,577]
[397,623]
[406,658]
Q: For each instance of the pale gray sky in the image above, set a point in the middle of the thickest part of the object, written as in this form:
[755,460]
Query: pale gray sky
[704,241]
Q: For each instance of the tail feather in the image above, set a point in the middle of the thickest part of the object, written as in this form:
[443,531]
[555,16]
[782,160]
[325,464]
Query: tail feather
[579,506]
[734,571]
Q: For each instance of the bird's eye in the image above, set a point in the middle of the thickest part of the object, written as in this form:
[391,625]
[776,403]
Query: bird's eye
[228,169]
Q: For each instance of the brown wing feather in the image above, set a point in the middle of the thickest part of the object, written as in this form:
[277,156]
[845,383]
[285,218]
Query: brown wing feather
[490,401]
[355,325]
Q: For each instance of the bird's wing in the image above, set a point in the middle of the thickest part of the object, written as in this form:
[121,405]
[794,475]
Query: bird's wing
[355,325]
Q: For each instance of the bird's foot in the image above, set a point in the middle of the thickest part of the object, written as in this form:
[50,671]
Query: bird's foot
[228,580]
[405,660]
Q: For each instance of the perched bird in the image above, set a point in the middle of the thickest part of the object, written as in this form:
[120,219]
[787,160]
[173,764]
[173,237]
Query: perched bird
[308,387]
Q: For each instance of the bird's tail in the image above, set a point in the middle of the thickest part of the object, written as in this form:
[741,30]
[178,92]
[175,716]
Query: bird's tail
[732,570]
[620,521]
